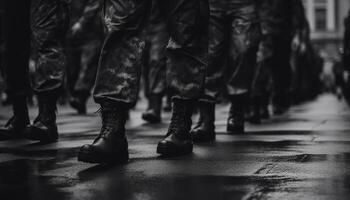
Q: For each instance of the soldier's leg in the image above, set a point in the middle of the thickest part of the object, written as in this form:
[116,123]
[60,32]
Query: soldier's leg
[118,75]
[15,68]
[145,65]
[187,51]
[281,73]
[86,33]
[245,35]
[156,84]
[87,75]
[73,65]
[204,130]
[260,93]
[49,23]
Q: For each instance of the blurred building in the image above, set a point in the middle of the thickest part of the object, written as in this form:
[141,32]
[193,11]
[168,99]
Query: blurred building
[326,22]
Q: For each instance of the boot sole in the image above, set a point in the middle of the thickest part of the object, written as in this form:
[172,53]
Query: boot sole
[171,151]
[90,157]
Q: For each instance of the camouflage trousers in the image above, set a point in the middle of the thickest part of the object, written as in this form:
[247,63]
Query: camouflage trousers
[83,61]
[233,42]
[274,60]
[47,25]
[154,59]
[275,49]
[119,68]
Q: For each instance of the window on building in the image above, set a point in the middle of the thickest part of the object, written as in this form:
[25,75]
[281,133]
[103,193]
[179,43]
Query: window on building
[321,19]
[320,15]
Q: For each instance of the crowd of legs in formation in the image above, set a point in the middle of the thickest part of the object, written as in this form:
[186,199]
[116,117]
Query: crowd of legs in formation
[191,54]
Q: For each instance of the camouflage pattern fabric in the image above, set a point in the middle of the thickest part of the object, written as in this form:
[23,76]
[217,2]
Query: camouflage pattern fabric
[120,67]
[279,23]
[49,23]
[154,59]
[84,47]
[46,21]
[120,61]
[90,53]
[187,49]
[233,41]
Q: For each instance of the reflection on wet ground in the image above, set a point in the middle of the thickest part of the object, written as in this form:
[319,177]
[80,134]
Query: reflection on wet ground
[304,154]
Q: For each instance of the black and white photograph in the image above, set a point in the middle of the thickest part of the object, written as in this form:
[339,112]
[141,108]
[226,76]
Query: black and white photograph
[174,99]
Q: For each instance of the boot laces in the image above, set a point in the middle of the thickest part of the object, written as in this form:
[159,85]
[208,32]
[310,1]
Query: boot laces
[178,122]
[173,122]
[110,121]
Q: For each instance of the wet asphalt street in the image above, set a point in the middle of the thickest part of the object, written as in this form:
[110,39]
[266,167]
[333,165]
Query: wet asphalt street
[304,154]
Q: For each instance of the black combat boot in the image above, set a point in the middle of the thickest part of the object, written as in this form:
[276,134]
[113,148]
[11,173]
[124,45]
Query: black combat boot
[178,140]
[110,146]
[255,117]
[44,127]
[235,122]
[153,113]
[78,102]
[16,126]
[204,131]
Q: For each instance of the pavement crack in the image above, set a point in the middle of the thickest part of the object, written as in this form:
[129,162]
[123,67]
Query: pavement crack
[316,127]
[266,169]
[320,124]
[304,158]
